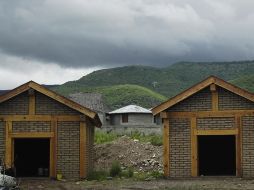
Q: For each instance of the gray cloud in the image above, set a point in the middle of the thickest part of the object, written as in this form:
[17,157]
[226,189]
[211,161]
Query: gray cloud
[85,33]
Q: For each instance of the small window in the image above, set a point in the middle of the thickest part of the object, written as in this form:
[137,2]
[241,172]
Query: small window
[154,119]
[125,118]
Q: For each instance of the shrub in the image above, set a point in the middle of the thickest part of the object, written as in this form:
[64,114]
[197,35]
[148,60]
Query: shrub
[130,172]
[115,169]
[97,175]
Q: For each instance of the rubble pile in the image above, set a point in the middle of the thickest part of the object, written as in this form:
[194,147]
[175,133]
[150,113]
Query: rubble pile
[130,153]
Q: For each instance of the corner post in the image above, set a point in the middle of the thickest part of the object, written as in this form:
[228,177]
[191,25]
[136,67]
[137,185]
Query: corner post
[194,145]
[166,145]
[82,147]
[238,143]
[8,144]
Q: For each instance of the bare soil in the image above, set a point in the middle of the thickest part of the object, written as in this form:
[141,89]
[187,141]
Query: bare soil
[142,157]
[130,153]
[127,184]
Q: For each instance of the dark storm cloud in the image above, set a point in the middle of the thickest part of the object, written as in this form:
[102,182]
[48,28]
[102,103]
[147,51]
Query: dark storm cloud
[84,33]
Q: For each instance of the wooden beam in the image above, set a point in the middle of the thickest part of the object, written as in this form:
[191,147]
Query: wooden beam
[31,102]
[213,87]
[194,151]
[14,92]
[51,159]
[234,89]
[166,149]
[39,117]
[32,135]
[62,100]
[215,97]
[238,122]
[8,144]
[73,105]
[215,101]
[187,93]
[216,132]
[196,88]
[202,114]
[53,151]
[82,149]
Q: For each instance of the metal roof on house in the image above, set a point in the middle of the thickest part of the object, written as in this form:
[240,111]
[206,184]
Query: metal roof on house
[130,109]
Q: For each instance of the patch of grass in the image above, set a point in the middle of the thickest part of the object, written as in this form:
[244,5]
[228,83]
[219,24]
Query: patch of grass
[140,176]
[154,139]
[148,175]
[157,174]
[115,169]
[102,137]
[127,173]
[97,175]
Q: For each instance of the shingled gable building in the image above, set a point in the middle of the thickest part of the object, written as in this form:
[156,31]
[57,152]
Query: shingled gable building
[209,131]
[45,134]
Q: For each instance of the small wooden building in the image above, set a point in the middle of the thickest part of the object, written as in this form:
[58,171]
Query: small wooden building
[45,134]
[209,131]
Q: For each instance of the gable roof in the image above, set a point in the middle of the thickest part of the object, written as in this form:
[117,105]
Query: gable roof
[201,85]
[131,109]
[93,101]
[31,84]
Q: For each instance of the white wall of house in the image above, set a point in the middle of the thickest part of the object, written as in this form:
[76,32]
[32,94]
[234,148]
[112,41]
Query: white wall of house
[133,119]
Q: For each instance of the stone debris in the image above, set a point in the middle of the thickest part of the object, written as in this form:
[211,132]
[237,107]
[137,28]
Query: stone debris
[130,153]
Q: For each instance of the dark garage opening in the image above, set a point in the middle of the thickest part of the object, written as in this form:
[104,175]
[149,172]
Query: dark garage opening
[32,157]
[217,155]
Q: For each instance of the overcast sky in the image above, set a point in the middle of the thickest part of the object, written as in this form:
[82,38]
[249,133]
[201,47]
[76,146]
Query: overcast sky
[54,41]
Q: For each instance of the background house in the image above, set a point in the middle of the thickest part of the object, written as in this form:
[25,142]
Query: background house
[93,101]
[43,133]
[131,115]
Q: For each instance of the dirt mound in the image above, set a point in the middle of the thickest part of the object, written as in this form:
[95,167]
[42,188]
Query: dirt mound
[130,153]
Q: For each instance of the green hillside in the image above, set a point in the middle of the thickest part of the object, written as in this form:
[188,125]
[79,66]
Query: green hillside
[167,81]
[245,82]
[120,95]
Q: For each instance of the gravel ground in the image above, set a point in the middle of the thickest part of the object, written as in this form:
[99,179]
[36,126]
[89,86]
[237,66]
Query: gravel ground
[124,184]
[130,153]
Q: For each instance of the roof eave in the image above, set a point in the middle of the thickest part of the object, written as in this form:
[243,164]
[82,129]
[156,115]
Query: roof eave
[199,86]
